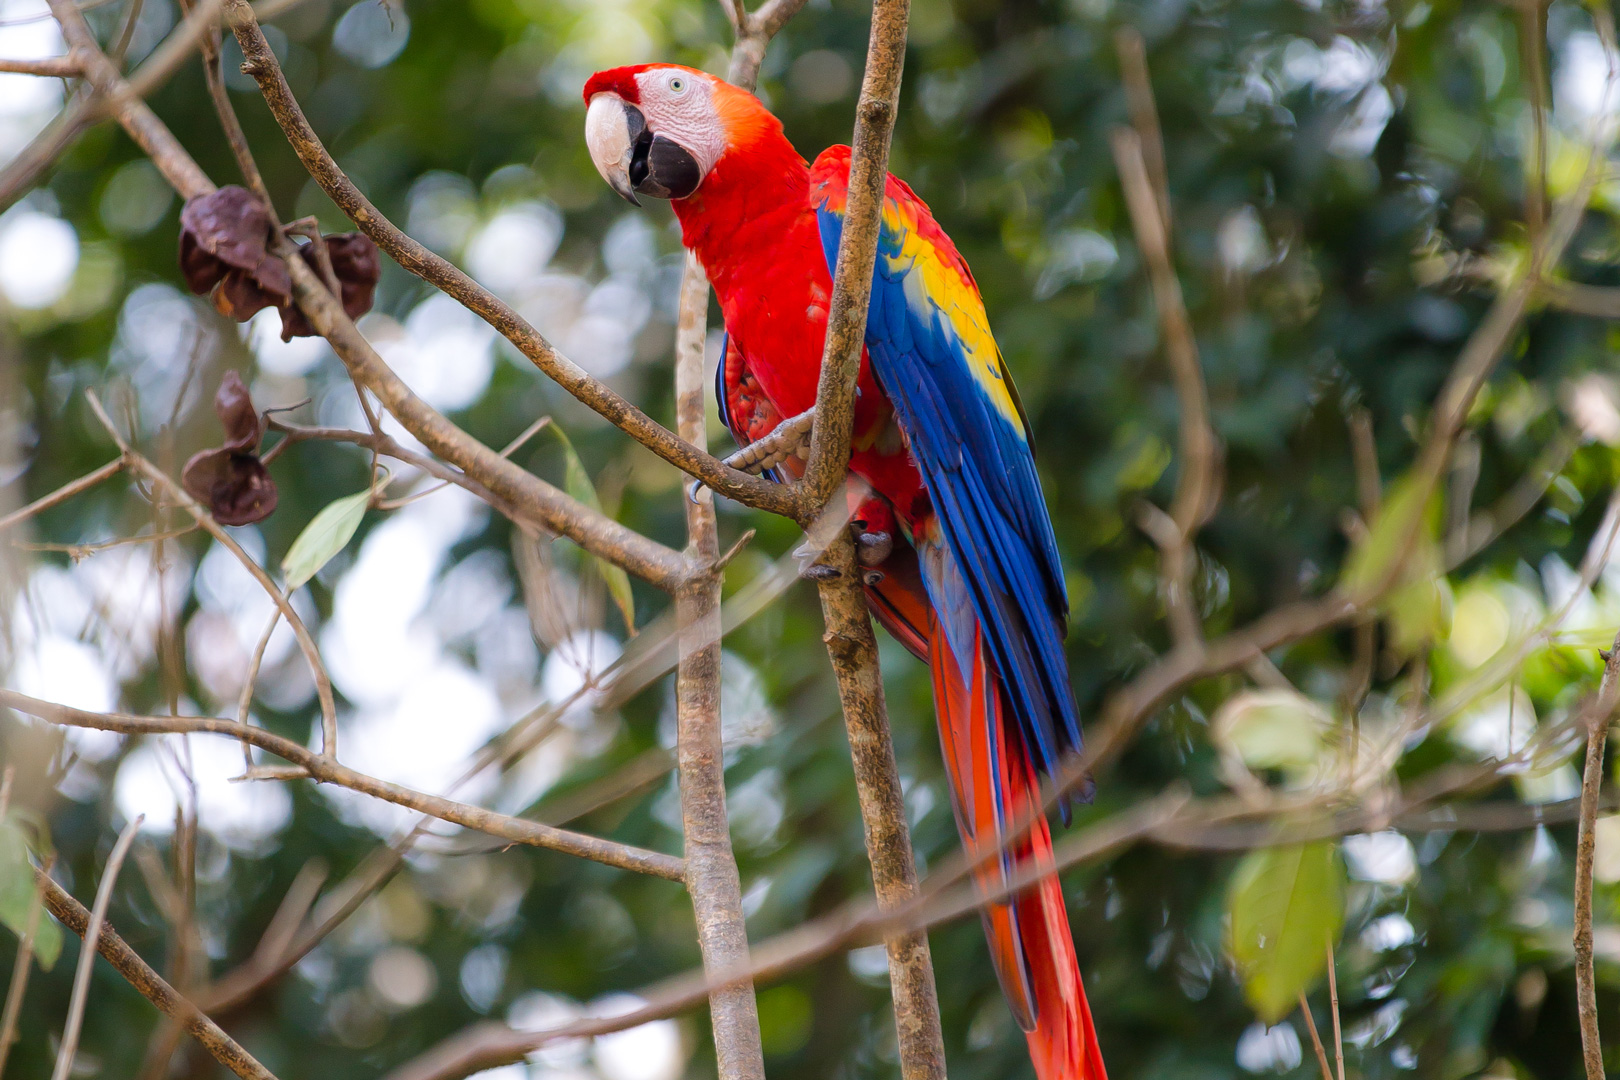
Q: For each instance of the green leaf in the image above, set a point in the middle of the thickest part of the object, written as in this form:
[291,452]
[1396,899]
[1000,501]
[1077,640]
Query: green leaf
[327,533]
[1271,729]
[578,483]
[1285,907]
[1407,519]
[17,895]
[1419,613]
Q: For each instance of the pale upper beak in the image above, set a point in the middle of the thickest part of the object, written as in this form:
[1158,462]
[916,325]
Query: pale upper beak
[633,158]
[611,130]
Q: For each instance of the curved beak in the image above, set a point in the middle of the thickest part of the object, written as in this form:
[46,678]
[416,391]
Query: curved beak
[612,127]
[631,158]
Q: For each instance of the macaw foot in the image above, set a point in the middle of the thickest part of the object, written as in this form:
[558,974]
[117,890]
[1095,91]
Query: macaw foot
[871,549]
[790,439]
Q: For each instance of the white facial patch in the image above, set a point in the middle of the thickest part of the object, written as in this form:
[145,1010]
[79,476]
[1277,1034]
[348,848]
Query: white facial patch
[680,106]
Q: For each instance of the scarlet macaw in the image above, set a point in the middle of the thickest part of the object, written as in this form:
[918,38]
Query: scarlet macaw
[971,580]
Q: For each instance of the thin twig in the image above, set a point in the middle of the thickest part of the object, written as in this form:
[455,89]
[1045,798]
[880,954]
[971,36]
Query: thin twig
[126,33]
[1598,301]
[228,120]
[237,987]
[1532,58]
[1198,483]
[1144,113]
[87,955]
[250,681]
[63,493]
[54,67]
[1597,717]
[1333,998]
[1316,1039]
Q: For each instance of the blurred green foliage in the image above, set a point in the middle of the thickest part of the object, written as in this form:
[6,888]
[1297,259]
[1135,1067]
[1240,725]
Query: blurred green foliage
[1324,157]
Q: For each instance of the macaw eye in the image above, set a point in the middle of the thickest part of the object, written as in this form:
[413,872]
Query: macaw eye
[677,85]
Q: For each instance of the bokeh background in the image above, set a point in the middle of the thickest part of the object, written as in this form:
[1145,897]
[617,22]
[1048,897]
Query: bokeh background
[1324,159]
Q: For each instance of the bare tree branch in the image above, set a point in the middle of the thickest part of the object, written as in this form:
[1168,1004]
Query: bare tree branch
[853,648]
[63,493]
[529,495]
[324,770]
[87,109]
[711,867]
[533,498]
[179,495]
[125,103]
[1199,482]
[152,986]
[55,67]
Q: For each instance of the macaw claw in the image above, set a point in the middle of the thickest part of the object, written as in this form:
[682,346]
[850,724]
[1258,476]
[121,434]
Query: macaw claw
[790,439]
[819,572]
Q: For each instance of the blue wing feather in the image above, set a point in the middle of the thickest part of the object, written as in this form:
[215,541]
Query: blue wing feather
[975,455]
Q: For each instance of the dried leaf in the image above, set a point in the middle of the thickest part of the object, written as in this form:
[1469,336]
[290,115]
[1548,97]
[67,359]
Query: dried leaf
[244,427]
[327,533]
[225,237]
[231,225]
[236,487]
[357,267]
[230,478]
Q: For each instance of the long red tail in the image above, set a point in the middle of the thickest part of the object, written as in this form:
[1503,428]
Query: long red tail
[993,788]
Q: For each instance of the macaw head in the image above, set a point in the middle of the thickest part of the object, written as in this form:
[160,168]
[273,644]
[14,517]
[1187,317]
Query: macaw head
[659,129]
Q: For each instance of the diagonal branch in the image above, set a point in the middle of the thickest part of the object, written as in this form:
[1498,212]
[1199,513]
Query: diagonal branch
[87,956]
[530,496]
[262,65]
[125,104]
[88,109]
[152,986]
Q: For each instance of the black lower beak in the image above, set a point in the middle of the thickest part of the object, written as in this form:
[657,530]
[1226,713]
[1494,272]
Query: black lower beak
[662,168]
